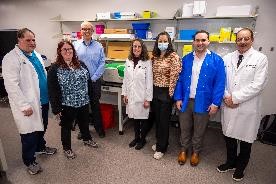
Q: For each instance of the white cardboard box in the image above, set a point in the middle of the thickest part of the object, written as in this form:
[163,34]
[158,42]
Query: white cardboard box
[228,11]
[103,16]
[199,8]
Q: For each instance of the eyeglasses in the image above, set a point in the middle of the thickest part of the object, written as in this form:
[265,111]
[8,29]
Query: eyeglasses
[86,29]
[246,39]
[30,40]
[200,40]
[137,46]
[67,49]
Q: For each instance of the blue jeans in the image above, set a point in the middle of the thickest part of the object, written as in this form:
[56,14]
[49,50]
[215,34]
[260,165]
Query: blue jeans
[33,142]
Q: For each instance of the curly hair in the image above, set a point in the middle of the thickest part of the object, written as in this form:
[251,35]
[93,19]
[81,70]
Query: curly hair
[144,54]
[156,51]
[59,59]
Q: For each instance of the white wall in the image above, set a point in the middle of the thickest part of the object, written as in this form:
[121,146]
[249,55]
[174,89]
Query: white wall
[36,15]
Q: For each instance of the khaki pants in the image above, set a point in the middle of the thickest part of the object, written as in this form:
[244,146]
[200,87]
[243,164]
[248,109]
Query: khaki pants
[193,126]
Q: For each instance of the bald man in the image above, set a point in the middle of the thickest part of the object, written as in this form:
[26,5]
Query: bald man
[91,53]
[246,76]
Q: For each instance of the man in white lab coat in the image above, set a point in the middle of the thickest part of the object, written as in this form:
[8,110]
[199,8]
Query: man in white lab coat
[246,77]
[26,84]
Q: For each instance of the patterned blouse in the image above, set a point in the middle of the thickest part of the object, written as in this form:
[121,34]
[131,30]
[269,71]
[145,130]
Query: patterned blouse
[166,71]
[74,86]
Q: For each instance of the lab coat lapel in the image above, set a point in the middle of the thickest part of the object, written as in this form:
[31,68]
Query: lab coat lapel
[234,61]
[246,59]
[139,64]
[23,58]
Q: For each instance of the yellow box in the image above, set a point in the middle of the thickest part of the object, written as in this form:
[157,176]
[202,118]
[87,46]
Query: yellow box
[225,34]
[214,37]
[117,54]
[125,46]
[187,49]
[146,14]
[233,37]
[116,31]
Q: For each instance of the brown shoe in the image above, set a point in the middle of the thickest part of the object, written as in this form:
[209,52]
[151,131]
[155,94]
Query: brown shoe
[194,159]
[182,156]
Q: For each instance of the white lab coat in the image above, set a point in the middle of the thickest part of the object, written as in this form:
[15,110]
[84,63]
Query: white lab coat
[137,86]
[245,84]
[22,85]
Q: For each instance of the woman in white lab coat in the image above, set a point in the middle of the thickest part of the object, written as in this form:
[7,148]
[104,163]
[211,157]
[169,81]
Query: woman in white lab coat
[137,90]
[246,76]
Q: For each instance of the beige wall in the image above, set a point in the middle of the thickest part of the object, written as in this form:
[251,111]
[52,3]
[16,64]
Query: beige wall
[36,15]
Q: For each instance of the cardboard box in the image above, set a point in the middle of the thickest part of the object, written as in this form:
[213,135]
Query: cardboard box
[117,31]
[229,11]
[117,54]
[125,46]
[103,16]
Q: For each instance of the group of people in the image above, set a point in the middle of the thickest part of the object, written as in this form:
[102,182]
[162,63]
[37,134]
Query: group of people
[200,85]
[72,83]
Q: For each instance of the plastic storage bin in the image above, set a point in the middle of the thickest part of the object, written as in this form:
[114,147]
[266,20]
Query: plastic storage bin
[117,15]
[107,116]
[99,29]
[141,33]
[187,34]
[140,29]
[141,26]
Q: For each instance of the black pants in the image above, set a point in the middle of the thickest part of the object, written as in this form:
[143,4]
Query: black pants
[33,142]
[68,115]
[162,107]
[151,119]
[95,105]
[241,159]
[140,128]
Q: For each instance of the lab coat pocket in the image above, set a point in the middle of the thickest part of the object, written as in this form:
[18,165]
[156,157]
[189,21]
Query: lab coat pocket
[141,73]
[249,72]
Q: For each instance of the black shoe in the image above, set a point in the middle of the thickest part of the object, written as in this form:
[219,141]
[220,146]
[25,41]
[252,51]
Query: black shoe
[133,142]
[101,134]
[225,168]
[47,151]
[238,175]
[140,144]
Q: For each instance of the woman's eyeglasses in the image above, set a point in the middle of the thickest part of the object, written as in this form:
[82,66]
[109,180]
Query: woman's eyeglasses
[67,49]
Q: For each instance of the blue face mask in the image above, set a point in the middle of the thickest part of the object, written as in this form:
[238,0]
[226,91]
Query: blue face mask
[163,46]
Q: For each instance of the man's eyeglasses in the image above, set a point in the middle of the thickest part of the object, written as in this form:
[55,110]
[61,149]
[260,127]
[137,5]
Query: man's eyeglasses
[246,39]
[86,29]
[67,50]
[200,40]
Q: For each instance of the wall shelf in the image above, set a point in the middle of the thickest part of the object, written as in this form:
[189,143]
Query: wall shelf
[210,23]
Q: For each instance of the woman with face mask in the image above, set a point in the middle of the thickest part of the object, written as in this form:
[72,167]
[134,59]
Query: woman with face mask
[166,66]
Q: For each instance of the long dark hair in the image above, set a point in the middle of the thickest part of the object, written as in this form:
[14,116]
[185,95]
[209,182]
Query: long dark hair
[60,61]
[144,54]
[156,51]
